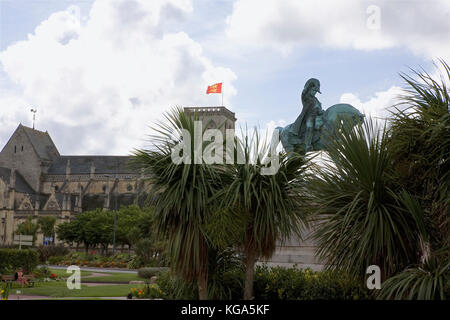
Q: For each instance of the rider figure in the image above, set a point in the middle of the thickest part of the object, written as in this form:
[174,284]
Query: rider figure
[312,107]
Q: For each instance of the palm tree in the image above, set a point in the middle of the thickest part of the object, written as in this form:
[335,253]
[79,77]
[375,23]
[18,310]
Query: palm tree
[363,217]
[420,139]
[28,227]
[420,143]
[181,194]
[269,205]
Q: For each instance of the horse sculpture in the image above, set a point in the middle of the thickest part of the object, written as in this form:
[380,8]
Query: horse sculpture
[325,123]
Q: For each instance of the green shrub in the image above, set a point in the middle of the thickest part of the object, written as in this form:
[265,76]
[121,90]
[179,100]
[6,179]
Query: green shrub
[55,260]
[12,259]
[143,250]
[225,275]
[147,273]
[305,284]
[275,283]
[174,288]
[45,252]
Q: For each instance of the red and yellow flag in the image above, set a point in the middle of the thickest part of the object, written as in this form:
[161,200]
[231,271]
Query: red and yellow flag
[215,88]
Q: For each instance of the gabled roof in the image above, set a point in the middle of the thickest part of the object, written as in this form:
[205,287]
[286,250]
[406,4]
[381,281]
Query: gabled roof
[41,142]
[82,165]
[21,184]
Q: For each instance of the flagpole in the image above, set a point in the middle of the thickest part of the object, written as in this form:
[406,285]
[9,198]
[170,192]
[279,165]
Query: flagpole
[222,95]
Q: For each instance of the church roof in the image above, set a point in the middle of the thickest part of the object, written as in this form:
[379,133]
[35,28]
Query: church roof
[42,143]
[82,165]
[21,184]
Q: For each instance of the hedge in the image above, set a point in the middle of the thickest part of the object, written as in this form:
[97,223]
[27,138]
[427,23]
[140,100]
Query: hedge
[147,273]
[276,283]
[280,283]
[13,259]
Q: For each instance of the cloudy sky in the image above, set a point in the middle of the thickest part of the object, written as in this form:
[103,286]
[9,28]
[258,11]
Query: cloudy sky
[101,72]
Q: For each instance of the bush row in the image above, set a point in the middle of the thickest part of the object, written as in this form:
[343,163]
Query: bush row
[148,273]
[119,260]
[275,283]
[12,259]
[305,284]
[46,252]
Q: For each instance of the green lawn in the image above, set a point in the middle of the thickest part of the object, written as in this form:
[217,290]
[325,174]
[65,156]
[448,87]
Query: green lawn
[64,274]
[113,278]
[59,289]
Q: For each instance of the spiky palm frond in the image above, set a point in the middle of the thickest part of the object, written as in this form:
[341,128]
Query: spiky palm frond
[270,203]
[181,193]
[420,144]
[362,220]
[430,281]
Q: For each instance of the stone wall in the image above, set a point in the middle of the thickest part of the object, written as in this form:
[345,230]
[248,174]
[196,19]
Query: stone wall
[18,153]
[296,252]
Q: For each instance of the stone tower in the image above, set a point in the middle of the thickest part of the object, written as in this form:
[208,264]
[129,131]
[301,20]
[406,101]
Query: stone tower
[30,152]
[214,117]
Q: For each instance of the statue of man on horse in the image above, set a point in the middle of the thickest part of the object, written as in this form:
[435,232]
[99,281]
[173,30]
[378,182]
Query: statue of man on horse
[314,126]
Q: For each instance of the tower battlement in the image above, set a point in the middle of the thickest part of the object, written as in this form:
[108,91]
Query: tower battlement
[214,117]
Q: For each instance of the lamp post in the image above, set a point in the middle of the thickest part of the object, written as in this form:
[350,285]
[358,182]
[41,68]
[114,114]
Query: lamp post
[115,219]
[4,229]
[116,190]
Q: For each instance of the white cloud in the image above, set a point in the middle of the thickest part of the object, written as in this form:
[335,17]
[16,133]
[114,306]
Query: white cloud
[423,27]
[99,84]
[377,106]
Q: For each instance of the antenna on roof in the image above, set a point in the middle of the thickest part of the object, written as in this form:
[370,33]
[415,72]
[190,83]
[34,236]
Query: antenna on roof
[34,115]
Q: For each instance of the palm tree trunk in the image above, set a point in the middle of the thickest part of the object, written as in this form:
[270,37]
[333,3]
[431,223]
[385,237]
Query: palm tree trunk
[249,274]
[202,283]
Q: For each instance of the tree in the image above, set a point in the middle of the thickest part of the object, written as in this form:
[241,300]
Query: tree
[47,226]
[28,227]
[127,232]
[420,140]
[181,193]
[99,229]
[90,228]
[420,144]
[269,204]
[133,224]
[68,232]
[363,217]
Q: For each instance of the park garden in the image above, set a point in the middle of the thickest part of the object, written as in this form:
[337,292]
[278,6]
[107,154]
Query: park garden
[379,198]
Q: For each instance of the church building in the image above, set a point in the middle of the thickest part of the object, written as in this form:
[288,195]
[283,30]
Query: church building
[36,180]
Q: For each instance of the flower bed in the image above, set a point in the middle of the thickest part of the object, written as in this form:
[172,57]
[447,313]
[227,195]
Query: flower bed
[149,291]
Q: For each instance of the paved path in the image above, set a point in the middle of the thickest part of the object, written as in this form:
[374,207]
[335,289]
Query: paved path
[116,270]
[96,274]
[97,284]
